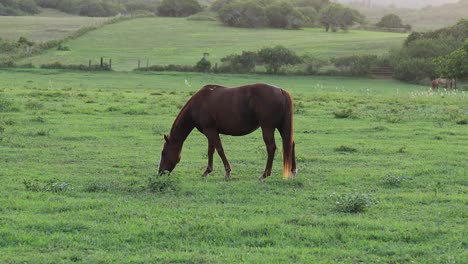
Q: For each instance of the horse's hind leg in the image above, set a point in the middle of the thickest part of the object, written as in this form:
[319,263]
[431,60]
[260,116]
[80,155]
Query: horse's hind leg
[293,163]
[209,168]
[213,139]
[269,138]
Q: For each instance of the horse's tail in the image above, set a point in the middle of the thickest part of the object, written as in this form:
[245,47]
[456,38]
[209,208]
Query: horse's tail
[287,134]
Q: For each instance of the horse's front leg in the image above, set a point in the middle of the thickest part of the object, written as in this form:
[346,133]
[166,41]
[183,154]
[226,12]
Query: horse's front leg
[213,139]
[209,168]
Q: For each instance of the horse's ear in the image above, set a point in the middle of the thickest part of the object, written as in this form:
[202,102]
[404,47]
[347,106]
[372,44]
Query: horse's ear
[166,138]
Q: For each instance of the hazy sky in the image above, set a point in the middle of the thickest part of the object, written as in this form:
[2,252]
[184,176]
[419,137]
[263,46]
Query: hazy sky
[404,3]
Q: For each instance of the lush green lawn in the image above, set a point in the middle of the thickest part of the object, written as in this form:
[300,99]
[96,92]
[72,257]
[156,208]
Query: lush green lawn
[48,25]
[89,142]
[180,41]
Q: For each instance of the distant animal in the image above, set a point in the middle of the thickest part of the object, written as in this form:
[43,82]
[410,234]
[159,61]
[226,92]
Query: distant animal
[238,111]
[447,83]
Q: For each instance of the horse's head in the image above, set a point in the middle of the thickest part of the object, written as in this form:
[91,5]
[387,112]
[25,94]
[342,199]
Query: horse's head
[170,155]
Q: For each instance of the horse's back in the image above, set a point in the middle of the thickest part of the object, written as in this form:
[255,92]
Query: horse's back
[239,110]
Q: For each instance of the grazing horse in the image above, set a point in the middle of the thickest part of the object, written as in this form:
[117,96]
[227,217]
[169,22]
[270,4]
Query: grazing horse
[215,110]
[448,83]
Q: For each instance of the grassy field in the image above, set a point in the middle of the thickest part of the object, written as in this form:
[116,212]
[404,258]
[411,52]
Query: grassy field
[48,25]
[78,150]
[179,41]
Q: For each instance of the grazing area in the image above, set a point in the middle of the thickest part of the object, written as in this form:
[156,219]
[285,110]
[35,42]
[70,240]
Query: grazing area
[48,25]
[163,41]
[382,167]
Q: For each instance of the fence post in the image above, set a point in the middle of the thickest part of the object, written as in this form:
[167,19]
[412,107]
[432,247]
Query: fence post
[110,64]
[147,63]
[89,64]
[138,63]
[102,62]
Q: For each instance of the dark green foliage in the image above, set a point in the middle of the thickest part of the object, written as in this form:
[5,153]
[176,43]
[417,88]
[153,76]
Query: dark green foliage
[217,5]
[276,57]
[203,65]
[178,8]
[356,65]
[336,16]
[77,67]
[18,7]
[353,202]
[284,15]
[236,63]
[170,67]
[432,54]
[390,21]
[310,15]
[247,14]
[316,4]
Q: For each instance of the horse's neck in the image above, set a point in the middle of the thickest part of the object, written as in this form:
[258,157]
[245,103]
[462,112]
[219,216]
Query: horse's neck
[182,126]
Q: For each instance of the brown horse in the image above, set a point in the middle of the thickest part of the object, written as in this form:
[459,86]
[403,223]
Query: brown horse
[215,110]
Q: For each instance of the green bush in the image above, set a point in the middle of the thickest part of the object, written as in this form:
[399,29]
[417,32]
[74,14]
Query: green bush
[178,8]
[248,14]
[77,67]
[284,15]
[235,63]
[276,57]
[170,67]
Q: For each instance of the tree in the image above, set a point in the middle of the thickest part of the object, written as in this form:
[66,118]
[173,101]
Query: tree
[335,16]
[179,8]
[243,14]
[275,58]
[284,15]
[455,64]
[390,21]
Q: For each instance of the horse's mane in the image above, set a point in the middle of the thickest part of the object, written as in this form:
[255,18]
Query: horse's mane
[179,116]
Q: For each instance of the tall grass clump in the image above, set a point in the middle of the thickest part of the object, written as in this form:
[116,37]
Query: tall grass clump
[353,202]
[163,184]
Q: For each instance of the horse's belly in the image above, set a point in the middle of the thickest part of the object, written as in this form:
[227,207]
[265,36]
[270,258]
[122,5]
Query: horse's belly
[234,130]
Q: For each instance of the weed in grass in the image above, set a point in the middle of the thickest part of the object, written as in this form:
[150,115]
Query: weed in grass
[393,180]
[112,109]
[344,113]
[7,105]
[393,119]
[40,133]
[353,202]
[49,186]
[38,119]
[347,149]
[299,108]
[163,184]
[136,112]
[34,105]
[402,150]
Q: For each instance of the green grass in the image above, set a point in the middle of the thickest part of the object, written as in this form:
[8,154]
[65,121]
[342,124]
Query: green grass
[77,150]
[48,25]
[180,41]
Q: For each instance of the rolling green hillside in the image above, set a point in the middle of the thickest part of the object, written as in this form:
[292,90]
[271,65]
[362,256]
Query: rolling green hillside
[50,24]
[181,41]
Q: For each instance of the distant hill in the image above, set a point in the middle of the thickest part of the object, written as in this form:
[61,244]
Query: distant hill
[398,3]
[431,17]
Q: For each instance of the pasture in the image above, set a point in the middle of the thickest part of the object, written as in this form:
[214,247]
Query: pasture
[78,150]
[163,41]
[48,25]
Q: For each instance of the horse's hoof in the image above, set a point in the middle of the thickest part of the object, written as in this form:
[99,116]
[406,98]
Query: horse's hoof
[293,174]
[262,179]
